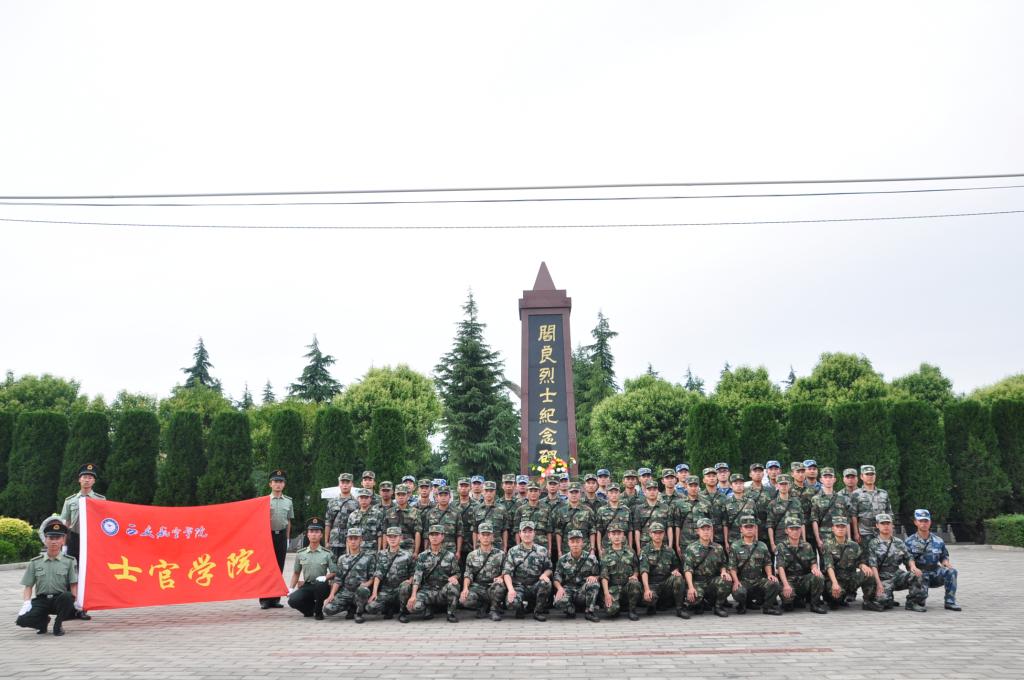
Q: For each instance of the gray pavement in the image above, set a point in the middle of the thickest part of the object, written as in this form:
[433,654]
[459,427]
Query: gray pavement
[219,640]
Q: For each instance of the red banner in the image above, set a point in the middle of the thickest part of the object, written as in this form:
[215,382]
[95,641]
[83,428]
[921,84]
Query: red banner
[142,555]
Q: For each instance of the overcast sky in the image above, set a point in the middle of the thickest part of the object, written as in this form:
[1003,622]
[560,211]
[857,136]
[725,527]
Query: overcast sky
[127,98]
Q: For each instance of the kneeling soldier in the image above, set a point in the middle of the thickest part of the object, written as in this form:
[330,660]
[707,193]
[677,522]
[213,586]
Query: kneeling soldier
[797,563]
[351,586]
[750,564]
[577,582]
[394,568]
[527,576]
[316,565]
[932,558]
[619,579]
[885,555]
[845,563]
[435,582]
[482,582]
[54,576]
[661,574]
[707,579]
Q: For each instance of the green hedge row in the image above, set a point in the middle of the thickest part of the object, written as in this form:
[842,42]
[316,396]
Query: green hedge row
[1005,530]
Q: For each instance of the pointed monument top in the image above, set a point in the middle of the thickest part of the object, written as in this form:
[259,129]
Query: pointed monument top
[543,281]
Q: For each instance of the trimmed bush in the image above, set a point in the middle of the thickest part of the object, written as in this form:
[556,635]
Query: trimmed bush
[227,476]
[89,443]
[132,465]
[286,453]
[1008,423]
[6,443]
[924,471]
[185,462]
[809,435]
[1005,530]
[34,466]
[387,446]
[760,436]
[21,537]
[863,434]
[981,487]
[710,437]
[7,553]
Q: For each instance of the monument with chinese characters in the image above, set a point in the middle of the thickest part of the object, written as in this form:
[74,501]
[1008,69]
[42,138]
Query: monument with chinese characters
[548,413]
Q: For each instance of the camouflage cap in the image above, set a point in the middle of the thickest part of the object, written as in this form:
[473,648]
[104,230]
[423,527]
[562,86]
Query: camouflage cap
[840,520]
[527,525]
[532,486]
[485,528]
[508,478]
[363,492]
[444,490]
[423,482]
[865,469]
[721,466]
[883,517]
[574,486]
[708,471]
[657,526]
[575,533]
[784,479]
[736,477]
[590,476]
[827,472]
[552,480]
[369,474]
[629,473]
[692,479]
[613,487]
[797,466]
[850,472]
[794,523]
[668,472]
[748,520]
[644,471]
[704,522]
[463,481]
[354,532]
[408,478]
[436,529]
[490,486]
[386,486]
[756,466]
[616,526]
[651,484]
[393,531]
[345,477]
[402,489]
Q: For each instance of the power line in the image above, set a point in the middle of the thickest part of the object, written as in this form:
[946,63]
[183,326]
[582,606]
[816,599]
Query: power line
[514,200]
[512,226]
[637,185]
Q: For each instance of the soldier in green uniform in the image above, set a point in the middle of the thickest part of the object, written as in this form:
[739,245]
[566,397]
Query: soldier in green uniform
[885,554]
[577,580]
[846,566]
[316,565]
[443,513]
[407,519]
[435,581]
[688,510]
[705,569]
[551,498]
[738,505]
[422,500]
[491,511]
[338,510]
[762,495]
[619,578]
[750,565]
[54,577]
[612,512]
[661,574]
[527,575]
[868,502]
[650,511]
[465,507]
[369,519]
[69,515]
[533,510]
[631,495]
[483,585]
[590,497]
[797,563]
[715,504]
[282,512]
[369,481]
[782,507]
[350,588]
[574,515]
[826,505]
[510,499]
[394,568]
[668,483]
[803,493]
[387,498]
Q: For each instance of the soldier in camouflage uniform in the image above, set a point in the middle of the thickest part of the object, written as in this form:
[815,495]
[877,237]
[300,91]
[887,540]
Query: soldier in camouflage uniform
[447,516]
[805,494]
[435,580]
[661,574]
[868,503]
[650,511]
[797,563]
[846,566]
[688,510]
[527,576]
[783,507]
[631,494]
[577,580]
[394,567]
[736,506]
[482,582]
[932,558]
[612,512]
[491,511]
[705,569]
[826,505]
[465,506]
[533,510]
[338,510]
[350,588]
[369,481]
[551,499]
[369,519]
[619,578]
[590,497]
[885,555]
[762,496]
[574,515]
[849,488]
[422,500]
[750,564]
[407,519]
[715,503]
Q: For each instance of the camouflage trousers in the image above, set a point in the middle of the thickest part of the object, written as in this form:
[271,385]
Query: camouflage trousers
[538,595]
[904,580]
[850,582]
[585,596]
[807,587]
[347,599]
[942,576]
[480,595]
[446,597]
[713,590]
[388,599]
[628,591]
[761,589]
[668,592]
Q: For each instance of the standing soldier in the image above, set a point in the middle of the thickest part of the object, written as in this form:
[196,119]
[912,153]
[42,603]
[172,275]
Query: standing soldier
[649,512]
[868,503]
[688,510]
[368,519]
[772,469]
[435,582]
[527,576]
[705,568]
[849,486]
[316,565]
[762,496]
[668,483]
[612,512]
[476,491]
[716,505]
[845,563]
[350,588]
[574,515]
[369,481]
[590,497]
[282,512]
[423,500]
[407,519]
[783,507]
[798,569]
[577,580]
[826,505]
[522,481]
[619,578]
[722,474]
[552,500]
[885,555]
[394,568]
[737,506]
[338,510]
[630,495]
[448,518]
[482,582]
[932,558]
[750,565]
[491,511]
[69,515]
[465,508]
[533,510]
[509,499]
[54,576]
[661,573]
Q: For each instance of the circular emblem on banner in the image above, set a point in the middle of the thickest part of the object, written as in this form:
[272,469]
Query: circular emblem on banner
[110,526]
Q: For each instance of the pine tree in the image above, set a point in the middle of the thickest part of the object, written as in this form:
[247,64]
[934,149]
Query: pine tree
[268,394]
[1008,422]
[980,485]
[693,383]
[199,372]
[596,380]
[650,371]
[760,437]
[286,453]
[6,443]
[710,437]
[725,369]
[386,444]
[601,357]
[132,463]
[925,479]
[246,402]
[185,463]
[316,384]
[228,475]
[863,436]
[480,422]
[89,443]
[34,465]
[809,434]
[791,378]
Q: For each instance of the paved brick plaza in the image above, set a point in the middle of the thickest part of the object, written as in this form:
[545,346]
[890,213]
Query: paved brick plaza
[238,639]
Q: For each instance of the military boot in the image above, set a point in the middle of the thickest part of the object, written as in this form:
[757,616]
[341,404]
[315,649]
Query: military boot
[720,611]
[774,610]
[481,613]
[915,607]
[570,612]
[452,618]
[591,615]
[682,613]
[495,615]
[403,618]
[952,606]
[58,627]
[540,616]
[817,606]
[872,606]
[741,606]
[632,615]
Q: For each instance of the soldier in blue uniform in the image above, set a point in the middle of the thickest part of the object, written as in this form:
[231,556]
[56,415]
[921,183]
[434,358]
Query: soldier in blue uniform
[932,558]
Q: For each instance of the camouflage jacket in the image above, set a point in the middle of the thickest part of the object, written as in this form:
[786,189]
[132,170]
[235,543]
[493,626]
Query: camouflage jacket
[408,520]
[482,567]
[716,506]
[581,517]
[797,560]
[552,505]
[844,557]
[734,509]
[658,564]
[607,515]
[338,510]
[539,515]
[865,505]
[433,570]
[510,505]
[887,556]
[525,565]
[394,568]
[355,569]
[618,565]
[572,572]
[928,553]
[372,524]
[495,514]
[467,514]
[687,513]
[780,509]
[749,559]
[806,495]
[825,507]
[704,562]
[762,497]
[630,500]
[592,503]
[644,515]
[449,518]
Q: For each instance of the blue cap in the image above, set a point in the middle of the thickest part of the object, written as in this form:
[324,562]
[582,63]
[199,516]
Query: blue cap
[682,466]
[476,478]
[809,462]
[921,513]
[603,472]
[522,479]
[564,475]
[437,482]
[644,471]
[773,463]
[721,466]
